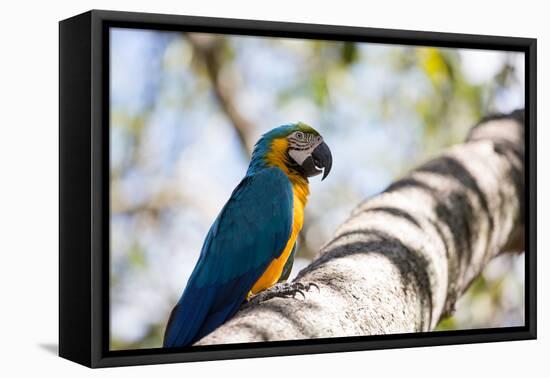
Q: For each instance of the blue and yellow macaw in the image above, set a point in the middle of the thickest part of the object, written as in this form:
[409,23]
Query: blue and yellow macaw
[250,246]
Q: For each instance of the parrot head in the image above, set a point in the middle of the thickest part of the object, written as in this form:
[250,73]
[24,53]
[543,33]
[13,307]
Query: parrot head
[295,148]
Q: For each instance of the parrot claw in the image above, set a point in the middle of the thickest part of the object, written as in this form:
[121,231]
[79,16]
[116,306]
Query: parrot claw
[282,290]
[306,287]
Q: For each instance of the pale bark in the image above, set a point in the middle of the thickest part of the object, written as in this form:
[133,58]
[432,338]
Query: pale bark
[404,257]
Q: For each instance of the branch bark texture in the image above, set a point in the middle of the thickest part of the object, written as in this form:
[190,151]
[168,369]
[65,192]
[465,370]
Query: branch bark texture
[405,256]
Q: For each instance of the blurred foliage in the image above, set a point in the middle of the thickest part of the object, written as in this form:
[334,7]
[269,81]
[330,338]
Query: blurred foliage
[175,155]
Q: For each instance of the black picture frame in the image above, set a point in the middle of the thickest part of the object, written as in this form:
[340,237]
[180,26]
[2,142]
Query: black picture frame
[84,187]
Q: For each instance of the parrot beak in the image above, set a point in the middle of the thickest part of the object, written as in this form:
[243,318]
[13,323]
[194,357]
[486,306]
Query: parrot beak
[319,161]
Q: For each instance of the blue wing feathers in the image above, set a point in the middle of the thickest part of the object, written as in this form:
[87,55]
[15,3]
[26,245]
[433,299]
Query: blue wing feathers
[187,317]
[223,312]
[251,230]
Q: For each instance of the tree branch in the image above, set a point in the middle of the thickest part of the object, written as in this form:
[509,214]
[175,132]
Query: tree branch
[209,49]
[405,256]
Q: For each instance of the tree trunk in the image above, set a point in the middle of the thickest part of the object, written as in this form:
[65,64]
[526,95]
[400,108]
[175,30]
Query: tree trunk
[405,256]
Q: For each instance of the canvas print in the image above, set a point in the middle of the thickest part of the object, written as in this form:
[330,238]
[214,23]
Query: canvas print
[269,189]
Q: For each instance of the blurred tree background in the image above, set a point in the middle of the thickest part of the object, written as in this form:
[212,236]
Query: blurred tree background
[186,110]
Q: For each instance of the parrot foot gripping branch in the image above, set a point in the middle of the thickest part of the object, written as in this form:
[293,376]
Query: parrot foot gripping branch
[281,290]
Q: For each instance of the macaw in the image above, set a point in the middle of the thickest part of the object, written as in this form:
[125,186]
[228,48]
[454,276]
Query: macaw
[250,246]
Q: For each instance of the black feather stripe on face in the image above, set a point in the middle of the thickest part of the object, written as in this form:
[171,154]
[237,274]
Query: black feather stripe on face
[298,148]
[298,141]
[301,144]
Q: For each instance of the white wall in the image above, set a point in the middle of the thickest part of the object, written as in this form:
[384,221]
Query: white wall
[28,171]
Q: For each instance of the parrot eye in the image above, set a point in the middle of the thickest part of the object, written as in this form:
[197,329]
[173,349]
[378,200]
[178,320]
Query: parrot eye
[300,135]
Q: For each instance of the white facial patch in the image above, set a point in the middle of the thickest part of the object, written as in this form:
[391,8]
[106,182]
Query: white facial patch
[302,145]
[300,155]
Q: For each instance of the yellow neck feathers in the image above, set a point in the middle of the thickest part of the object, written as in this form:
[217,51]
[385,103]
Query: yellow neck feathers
[277,157]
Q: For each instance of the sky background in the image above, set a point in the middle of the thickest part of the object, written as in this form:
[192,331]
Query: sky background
[176,155]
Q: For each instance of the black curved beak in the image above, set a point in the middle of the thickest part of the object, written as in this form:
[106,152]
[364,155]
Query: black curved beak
[319,161]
